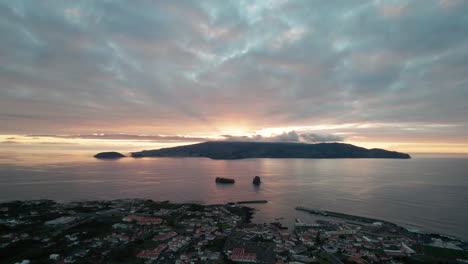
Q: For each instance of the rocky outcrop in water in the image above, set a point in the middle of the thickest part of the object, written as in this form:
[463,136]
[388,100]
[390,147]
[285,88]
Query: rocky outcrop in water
[256,180]
[224,180]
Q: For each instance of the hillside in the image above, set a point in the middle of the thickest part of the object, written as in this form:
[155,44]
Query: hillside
[243,150]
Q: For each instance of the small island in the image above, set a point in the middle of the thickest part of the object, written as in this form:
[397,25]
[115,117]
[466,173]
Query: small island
[109,155]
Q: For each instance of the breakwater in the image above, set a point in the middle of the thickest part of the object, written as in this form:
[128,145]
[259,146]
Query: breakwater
[346,216]
[252,202]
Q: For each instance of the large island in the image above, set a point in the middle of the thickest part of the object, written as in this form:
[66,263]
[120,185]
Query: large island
[243,150]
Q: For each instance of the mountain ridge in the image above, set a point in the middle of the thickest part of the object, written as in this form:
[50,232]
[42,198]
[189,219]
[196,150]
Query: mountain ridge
[243,150]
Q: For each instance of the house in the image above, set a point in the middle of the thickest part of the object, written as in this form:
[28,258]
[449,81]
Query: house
[61,220]
[150,221]
[238,255]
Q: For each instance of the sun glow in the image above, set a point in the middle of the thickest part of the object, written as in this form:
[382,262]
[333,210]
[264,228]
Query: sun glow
[143,142]
[22,142]
[234,131]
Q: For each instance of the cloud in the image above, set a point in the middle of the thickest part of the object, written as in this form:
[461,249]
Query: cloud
[156,138]
[321,138]
[394,10]
[10,142]
[37,143]
[56,143]
[198,68]
[286,137]
[291,136]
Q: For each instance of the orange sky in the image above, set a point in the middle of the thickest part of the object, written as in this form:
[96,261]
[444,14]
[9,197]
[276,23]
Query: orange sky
[22,142]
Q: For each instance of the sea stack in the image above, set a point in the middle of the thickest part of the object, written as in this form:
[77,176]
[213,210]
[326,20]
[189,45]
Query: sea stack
[256,180]
[224,180]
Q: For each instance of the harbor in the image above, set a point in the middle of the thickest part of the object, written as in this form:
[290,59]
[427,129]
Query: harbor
[361,219]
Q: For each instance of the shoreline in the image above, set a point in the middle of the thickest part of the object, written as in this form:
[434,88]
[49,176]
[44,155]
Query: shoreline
[101,231]
[249,212]
[368,220]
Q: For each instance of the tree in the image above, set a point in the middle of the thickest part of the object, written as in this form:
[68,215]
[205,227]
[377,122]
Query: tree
[317,239]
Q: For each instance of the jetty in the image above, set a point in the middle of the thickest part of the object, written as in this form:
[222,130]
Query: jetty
[346,216]
[252,202]
[312,211]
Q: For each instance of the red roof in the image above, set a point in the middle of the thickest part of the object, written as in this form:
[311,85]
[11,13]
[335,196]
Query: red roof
[150,220]
[160,248]
[148,254]
[165,236]
[238,254]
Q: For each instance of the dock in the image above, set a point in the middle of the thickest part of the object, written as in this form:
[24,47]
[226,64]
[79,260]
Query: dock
[252,202]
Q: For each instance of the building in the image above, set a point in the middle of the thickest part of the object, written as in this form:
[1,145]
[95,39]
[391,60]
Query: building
[61,220]
[239,255]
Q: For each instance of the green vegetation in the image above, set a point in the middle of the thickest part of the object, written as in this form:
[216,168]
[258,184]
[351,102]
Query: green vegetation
[196,207]
[224,226]
[216,245]
[426,259]
[30,249]
[445,252]
[377,251]
[17,208]
[242,150]
[171,220]
[325,260]
[93,228]
[260,239]
[150,244]
[125,254]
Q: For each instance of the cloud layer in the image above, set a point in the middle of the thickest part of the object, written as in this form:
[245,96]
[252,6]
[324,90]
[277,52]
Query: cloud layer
[291,136]
[201,68]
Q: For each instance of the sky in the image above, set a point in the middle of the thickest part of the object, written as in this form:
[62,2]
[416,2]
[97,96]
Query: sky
[132,75]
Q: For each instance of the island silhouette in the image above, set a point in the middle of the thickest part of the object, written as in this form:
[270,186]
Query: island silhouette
[225,150]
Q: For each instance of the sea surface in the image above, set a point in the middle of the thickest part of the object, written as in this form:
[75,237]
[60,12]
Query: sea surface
[427,192]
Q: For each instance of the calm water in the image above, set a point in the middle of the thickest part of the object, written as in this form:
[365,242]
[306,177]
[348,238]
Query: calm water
[426,192]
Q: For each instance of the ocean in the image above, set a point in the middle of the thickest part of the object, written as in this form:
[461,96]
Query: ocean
[427,192]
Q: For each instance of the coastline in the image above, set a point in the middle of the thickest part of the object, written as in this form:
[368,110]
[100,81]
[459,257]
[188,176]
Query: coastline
[248,213]
[99,231]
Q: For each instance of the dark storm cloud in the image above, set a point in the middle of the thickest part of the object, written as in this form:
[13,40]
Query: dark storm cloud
[168,66]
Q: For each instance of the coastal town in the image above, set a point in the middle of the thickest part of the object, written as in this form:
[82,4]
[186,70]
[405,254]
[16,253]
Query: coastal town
[146,231]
